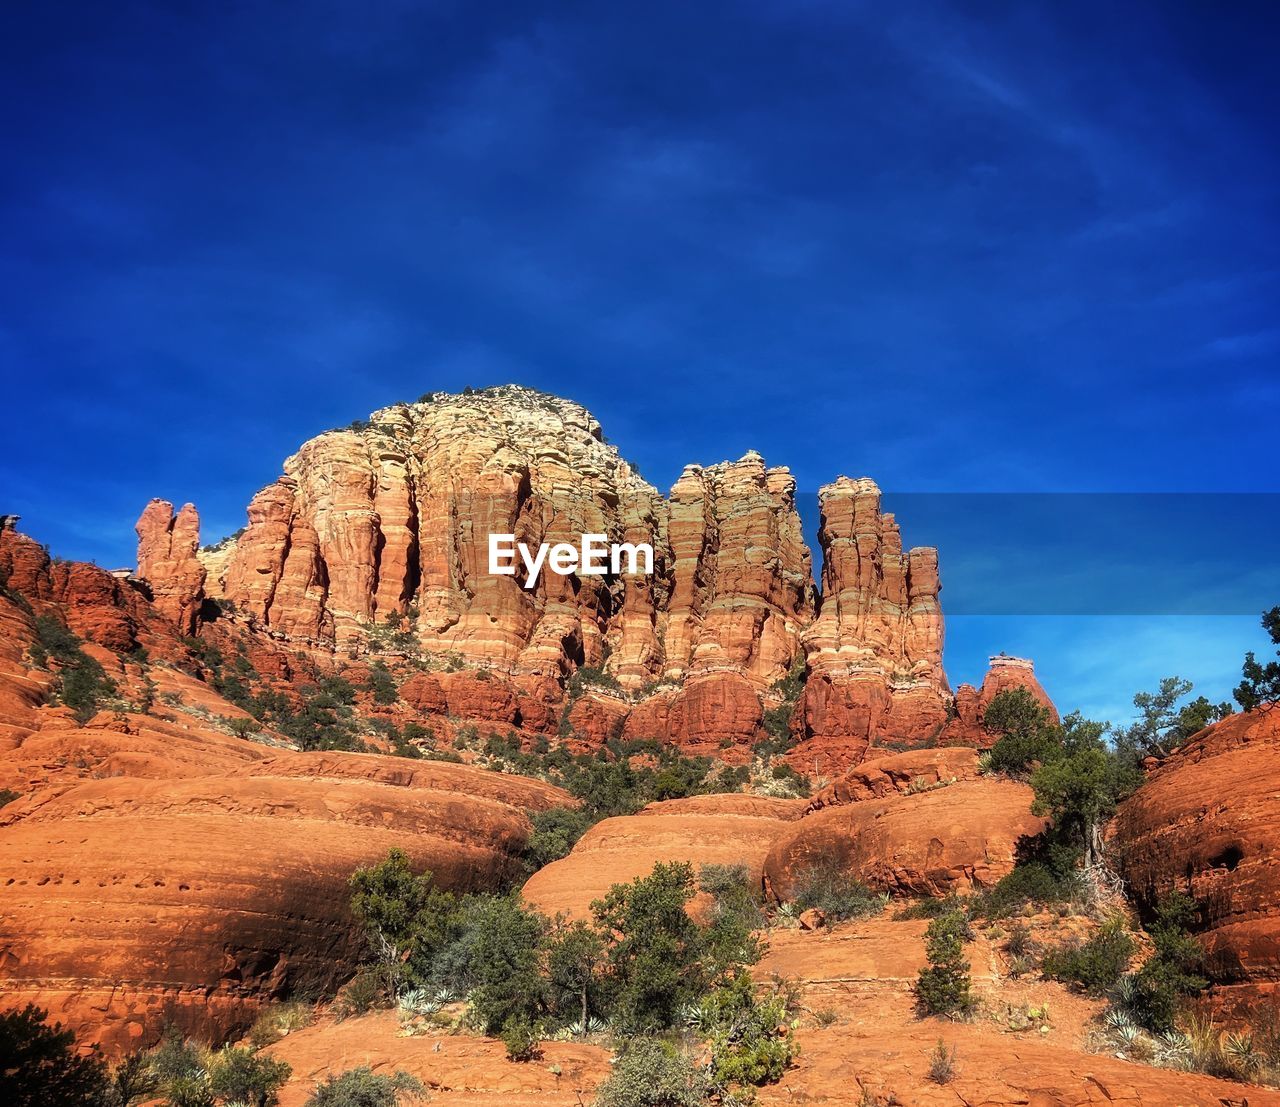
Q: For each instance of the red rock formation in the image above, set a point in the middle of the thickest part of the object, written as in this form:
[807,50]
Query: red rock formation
[167,561]
[390,521]
[1004,674]
[92,602]
[195,899]
[1206,823]
[716,715]
[949,837]
[709,830]
[742,586]
[874,652]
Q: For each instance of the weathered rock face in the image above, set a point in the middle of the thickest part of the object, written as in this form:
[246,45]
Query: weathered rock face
[393,518]
[917,823]
[742,583]
[94,604]
[162,904]
[875,649]
[167,545]
[708,830]
[1004,675]
[1206,823]
[384,527]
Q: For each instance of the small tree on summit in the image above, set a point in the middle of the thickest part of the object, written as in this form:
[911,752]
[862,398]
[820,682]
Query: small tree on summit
[1162,725]
[1261,683]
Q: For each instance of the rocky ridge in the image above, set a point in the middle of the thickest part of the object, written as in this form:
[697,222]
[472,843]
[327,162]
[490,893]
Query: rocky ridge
[384,526]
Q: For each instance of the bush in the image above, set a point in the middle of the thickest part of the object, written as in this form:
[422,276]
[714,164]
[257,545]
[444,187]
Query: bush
[189,1091]
[522,1039]
[239,1075]
[555,833]
[651,1073]
[836,893]
[382,684]
[8,795]
[747,1044]
[942,1063]
[575,955]
[39,1065]
[654,966]
[1094,966]
[175,1058]
[505,942]
[942,987]
[362,1087]
[365,991]
[1026,731]
[1031,882]
[82,682]
[1173,972]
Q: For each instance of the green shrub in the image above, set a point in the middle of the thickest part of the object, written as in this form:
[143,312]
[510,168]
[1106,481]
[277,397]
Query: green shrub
[653,1073]
[1032,882]
[39,1065]
[1026,730]
[654,965]
[175,1058]
[362,1087]
[189,1091]
[382,684]
[522,1039]
[575,957]
[132,1082]
[1094,966]
[505,941]
[942,987]
[82,682]
[835,892]
[8,795]
[932,907]
[239,1075]
[747,1044]
[1174,972]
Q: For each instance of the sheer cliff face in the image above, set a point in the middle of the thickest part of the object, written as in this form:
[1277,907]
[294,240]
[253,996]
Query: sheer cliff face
[741,579]
[395,517]
[389,522]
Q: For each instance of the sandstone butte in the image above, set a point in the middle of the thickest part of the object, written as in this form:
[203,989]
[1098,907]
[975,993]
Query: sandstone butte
[388,522]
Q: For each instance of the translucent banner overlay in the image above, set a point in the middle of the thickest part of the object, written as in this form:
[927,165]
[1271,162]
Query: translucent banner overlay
[1028,554]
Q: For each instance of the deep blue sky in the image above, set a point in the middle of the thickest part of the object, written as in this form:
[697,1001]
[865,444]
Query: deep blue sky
[956,247]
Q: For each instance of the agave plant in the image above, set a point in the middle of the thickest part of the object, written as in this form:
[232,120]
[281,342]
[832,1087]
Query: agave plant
[1119,1020]
[694,1017]
[1125,993]
[419,1001]
[1173,1050]
[1242,1051]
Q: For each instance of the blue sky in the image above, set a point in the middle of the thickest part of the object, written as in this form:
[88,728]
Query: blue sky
[1005,247]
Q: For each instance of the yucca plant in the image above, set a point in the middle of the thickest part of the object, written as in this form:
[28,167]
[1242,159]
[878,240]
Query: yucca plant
[1243,1053]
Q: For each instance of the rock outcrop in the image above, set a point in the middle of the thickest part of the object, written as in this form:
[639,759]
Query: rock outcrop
[1004,674]
[167,561]
[134,901]
[874,650]
[1206,823]
[918,823]
[709,830]
[376,536]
